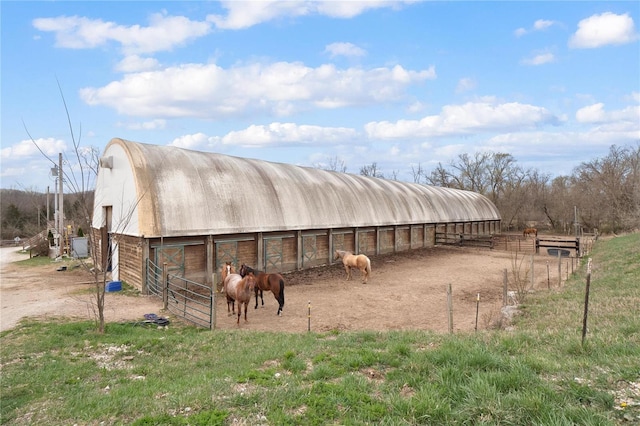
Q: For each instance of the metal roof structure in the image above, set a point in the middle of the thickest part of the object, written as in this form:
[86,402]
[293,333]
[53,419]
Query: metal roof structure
[152,191]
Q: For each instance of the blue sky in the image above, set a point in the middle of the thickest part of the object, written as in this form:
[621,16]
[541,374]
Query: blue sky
[399,84]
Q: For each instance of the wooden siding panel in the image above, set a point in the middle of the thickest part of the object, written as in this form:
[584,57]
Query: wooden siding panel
[195,262]
[367,242]
[387,240]
[247,253]
[417,236]
[130,261]
[403,242]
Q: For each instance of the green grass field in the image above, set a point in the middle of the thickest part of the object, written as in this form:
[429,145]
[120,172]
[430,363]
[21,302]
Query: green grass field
[540,373]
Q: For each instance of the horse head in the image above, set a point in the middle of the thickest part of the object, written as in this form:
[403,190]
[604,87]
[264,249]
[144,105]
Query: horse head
[250,281]
[246,269]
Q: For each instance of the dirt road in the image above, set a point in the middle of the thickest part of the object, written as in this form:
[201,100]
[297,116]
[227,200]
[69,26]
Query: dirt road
[44,292]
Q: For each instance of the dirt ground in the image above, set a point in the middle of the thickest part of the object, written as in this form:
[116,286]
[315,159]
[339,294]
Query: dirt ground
[43,292]
[405,291]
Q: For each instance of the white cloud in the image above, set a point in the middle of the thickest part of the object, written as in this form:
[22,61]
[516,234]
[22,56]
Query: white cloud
[465,119]
[209,91]
[26,148]
[194,141]
[520,32]
[539,59]
[604,29]
[344,49]
[591,114]
[415,107]
[596,114]
[465,84]
[157,124]
[163,33]
[135,63]
[542,24]
[539,25]
[280,134]
[245,14]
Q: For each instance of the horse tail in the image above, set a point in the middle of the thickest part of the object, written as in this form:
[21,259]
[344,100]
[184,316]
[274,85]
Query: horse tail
[368,268]
[281,295]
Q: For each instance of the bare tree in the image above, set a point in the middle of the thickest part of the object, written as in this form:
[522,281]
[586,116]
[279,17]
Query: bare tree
[608,189]
[472,172]
[335,165]
[501,168]
[440,177]
[80,178]
[371,170]
[417,172]
[558,205]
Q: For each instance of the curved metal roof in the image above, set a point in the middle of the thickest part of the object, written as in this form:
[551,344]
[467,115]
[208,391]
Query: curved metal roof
[168,191]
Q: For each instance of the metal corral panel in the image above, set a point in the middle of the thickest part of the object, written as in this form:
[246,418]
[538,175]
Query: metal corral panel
[168,191]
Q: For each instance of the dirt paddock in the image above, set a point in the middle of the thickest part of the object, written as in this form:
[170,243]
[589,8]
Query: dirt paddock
[405,291]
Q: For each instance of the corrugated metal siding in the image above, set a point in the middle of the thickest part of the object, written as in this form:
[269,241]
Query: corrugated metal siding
[197,193]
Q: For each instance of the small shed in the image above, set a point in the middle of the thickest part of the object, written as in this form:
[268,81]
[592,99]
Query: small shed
[194,211]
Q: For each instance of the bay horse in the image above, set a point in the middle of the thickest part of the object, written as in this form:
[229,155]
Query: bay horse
[239,289]
[350,260]
[266,282]
[530,231]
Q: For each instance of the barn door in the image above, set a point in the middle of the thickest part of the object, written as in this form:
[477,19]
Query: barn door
[309,249]
[226,251]
[173,256]
[273,254]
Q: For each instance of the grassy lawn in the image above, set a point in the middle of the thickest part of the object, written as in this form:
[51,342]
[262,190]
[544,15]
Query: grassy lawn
[538,373]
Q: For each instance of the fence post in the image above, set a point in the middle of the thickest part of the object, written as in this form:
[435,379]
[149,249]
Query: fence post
[505,285]
[450,308]
[532,278]
[477,309]
[165,286]
[548,277]
[586,302]
[212,310]
[559,269]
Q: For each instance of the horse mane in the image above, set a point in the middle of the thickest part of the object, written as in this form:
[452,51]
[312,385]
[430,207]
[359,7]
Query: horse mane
[246,269]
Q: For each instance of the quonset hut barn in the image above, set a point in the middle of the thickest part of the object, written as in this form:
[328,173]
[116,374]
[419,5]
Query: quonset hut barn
[195,211]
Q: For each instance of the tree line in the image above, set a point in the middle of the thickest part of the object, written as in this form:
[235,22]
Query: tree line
[602,194]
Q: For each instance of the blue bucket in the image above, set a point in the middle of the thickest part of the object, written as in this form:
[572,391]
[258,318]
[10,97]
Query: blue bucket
[113,286]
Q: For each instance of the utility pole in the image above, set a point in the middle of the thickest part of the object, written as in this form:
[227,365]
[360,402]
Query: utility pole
[60,204]
[47,206]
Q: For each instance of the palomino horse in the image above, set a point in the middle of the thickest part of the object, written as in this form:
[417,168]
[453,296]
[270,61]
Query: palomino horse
[350,260]
[267,282]
[530,231]
[239,289]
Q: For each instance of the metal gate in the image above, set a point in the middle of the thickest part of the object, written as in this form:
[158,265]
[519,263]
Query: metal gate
[154,278]
[189,300]
[192,301]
